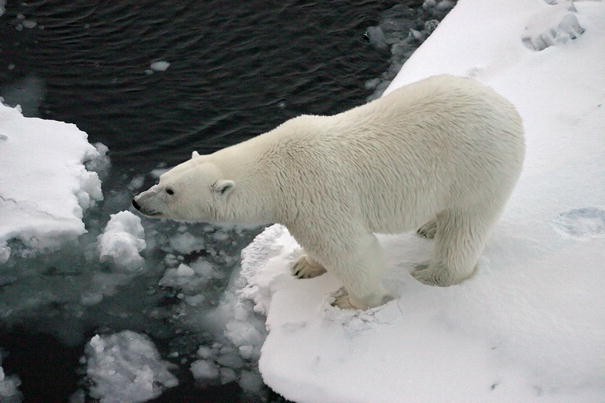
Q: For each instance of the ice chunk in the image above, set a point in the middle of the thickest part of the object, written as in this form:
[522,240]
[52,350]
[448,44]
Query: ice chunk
[126,367]
[44,185]
[204,370]
[401,29]
[192,279]
[5,252]
[161,65]
[29,24]
[185,243]
[122,241]
[9,387]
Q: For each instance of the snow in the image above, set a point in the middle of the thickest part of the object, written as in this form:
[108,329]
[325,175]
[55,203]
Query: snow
[530,325]
[122,240]
[126,367]
[44,184]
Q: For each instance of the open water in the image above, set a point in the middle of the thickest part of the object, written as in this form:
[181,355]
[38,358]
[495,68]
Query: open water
[236,69]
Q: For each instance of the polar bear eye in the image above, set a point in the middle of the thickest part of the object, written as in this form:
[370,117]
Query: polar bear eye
[169,191]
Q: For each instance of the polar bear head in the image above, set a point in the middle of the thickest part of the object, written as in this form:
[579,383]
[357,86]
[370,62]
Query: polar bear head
[192,191]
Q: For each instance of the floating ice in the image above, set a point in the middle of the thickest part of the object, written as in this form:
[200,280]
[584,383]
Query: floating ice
[29,24]
[401,29]
[122,241]
[161,65]
[126,367]
[204,370]
[191,280]
[9,387]
[44,185]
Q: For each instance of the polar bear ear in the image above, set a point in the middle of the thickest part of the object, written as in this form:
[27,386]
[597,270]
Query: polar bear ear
[194,155]
[223,186]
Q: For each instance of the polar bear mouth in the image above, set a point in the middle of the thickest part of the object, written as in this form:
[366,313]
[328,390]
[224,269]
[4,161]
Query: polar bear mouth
[144,211]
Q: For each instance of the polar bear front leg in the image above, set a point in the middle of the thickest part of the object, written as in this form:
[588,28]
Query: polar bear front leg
[360,266]
[307,267]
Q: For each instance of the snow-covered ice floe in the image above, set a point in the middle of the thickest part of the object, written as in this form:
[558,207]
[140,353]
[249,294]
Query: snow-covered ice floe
[530,326]
[44,183]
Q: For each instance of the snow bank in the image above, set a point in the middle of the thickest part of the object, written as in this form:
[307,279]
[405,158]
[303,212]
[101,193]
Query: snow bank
[531,324]
[122,240]
[126,367]
[44,184]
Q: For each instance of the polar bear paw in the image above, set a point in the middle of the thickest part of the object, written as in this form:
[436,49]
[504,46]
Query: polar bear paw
[428,230]
[342,301]
[305,268]
[435,276]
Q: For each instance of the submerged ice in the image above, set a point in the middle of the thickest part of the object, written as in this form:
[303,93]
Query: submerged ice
[126,367]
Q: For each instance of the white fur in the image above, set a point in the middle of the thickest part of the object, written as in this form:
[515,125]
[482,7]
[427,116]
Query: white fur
[445,149]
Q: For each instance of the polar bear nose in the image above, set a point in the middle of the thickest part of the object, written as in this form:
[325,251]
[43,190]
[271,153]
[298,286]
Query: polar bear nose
[136,205]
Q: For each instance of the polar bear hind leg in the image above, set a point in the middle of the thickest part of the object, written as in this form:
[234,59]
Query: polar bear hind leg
[307,267]
[460,237]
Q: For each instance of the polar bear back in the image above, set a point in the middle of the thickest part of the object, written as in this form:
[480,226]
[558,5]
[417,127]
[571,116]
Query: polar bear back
[392,164]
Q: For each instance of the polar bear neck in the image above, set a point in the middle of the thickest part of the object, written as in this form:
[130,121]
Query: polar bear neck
[260,168]
[252,200]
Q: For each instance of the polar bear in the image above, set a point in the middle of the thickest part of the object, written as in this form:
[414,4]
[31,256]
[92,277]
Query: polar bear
[445,152]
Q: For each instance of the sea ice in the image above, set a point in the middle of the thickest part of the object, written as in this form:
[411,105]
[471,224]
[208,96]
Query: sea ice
[122,241]
[530,325]
[126,367]
[44,184]
[401,29]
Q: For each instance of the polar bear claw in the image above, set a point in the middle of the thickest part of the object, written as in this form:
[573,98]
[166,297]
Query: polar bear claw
[305,267]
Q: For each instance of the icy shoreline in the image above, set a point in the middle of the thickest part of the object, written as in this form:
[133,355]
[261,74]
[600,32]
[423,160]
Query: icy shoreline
[530,325]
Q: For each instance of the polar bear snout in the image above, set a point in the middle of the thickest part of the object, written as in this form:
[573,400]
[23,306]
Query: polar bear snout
[143,209]
[146,203]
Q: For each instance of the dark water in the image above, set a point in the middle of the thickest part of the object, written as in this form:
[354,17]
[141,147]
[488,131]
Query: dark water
[237,69]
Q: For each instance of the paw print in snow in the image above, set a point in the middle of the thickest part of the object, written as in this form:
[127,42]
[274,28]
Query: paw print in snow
[558,24]
[587,222]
